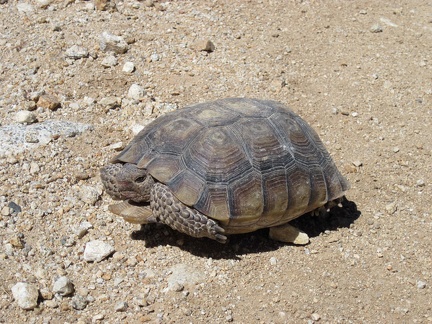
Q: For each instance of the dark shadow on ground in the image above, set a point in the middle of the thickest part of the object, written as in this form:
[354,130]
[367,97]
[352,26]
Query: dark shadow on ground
[157,234]
[341,216]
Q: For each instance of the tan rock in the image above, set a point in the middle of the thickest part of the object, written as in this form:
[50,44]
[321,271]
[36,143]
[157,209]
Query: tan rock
[48,101]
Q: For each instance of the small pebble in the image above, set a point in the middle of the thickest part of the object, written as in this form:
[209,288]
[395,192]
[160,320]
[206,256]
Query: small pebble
[154,57]
[420,183]
[96,251]
[48,101]
[6,211]
[109,61]
[273,261]
[357,163]
[136,128]
[113,43]
[46,293]
[121,306]
[77,52]
[421,284]
[116,146]
[128,67]
[391,208]
[315,317]
[63,286]
[376,29]
[24,7]
[17,241]
[26,295]
[89,194]
[177,287]
[97,317]
[34,168]
[83,229]
[79,302]
[110,102]
[25,117]
[136,92]
[43,3]
[52,303]
[104,4]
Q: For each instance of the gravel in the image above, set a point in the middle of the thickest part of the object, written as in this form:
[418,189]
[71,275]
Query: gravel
[366,91]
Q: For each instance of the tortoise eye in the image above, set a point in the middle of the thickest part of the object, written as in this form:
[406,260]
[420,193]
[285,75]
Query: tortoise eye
[140,179]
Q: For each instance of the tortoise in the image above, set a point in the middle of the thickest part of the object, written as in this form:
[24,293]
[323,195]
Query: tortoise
[224,167]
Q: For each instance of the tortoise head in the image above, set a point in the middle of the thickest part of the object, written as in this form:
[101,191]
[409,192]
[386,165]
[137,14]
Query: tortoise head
[125,181]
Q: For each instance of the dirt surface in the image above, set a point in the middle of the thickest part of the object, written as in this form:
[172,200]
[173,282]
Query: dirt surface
[359,72]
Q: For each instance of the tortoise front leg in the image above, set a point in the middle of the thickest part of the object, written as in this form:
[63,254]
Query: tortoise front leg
[135,214]
[169,210]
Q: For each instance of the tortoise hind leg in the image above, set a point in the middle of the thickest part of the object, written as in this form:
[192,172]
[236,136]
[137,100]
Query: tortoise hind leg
[288,234]
[167,209]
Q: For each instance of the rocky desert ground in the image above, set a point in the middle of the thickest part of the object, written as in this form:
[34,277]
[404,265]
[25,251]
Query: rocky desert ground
[78,79]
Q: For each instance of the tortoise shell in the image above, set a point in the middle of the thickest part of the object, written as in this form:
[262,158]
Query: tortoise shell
[247,163]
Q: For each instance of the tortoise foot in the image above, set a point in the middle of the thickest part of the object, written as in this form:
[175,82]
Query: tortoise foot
[289,234]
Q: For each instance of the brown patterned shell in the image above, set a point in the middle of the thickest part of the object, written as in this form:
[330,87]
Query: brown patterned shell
[247,163]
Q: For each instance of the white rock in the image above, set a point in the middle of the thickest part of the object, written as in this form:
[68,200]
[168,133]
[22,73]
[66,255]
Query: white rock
[83,229]
[74,105]
[88,101]
[376,28]
[25,8]
[421,284]
[136,92]
[79,302]
[89,194]
[43,3]
[34,168]
[110,102]
[63,286]
[119,146]
[121,307]
[109,61]
[420,183]
[6,211]
[15,139]
[183,274]
[98,317]
[113,43]
[136,128]
[77,52]
[166,107]
[391,208]
[25,117]
[26,295]
[96,251]
[154,57]
[357,163]
[128,67]
[315,317]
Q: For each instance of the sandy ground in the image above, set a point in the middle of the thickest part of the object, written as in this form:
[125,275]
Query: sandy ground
[359,72]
